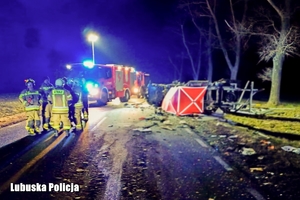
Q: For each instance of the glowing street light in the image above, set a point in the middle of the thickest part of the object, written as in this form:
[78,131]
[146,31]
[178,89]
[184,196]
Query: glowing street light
[93,38]
[68,66]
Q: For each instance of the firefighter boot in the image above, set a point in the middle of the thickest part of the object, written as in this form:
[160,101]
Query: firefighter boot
[72,129]
[85,117]
[31,132]
[67,133]
[37,130]
[27,128]
[56,133]
[46,127]
[79,127]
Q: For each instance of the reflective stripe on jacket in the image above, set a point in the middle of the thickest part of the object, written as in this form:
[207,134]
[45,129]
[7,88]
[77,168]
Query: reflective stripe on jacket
[46,89]
[78,92]
[60,97]
[30,99]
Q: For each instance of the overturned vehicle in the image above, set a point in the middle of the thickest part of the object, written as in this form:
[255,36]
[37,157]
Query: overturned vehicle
[197,97]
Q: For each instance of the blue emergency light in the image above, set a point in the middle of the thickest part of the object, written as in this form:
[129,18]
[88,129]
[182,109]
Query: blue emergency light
[89,85]
[88,64]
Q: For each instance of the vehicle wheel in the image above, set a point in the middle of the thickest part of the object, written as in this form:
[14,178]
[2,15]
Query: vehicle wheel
[142,92]
[104,99]
[126,97]
[230,97]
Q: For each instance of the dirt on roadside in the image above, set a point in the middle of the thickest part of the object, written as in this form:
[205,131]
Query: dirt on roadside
[271,162]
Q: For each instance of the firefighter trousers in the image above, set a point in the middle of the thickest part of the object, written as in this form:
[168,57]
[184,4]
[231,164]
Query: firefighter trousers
[78,117]
[57,118]
[85,110]
[33,120]
[46,114]
[72,113]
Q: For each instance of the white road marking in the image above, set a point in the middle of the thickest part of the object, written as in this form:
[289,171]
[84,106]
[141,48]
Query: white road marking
[201,142]
[256,194]
[98,124]
[223,163]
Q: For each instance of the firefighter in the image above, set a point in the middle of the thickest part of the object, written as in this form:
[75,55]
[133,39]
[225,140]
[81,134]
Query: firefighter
[31,99]
[67,84]
[60,99]
[78,103]
[45,90]
[85,101]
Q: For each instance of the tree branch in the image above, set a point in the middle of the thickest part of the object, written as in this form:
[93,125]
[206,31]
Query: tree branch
[280,13]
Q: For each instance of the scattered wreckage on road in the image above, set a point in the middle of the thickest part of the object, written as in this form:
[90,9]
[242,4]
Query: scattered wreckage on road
[197,97]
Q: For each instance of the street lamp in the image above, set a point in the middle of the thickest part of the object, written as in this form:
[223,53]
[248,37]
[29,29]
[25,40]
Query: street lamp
[93,38]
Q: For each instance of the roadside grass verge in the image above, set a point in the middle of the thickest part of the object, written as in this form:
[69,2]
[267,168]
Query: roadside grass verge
[10,105]
[11,109]
[286,109]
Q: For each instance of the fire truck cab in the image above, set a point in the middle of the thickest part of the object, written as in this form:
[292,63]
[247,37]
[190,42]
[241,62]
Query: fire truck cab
[105,82]
[140,84]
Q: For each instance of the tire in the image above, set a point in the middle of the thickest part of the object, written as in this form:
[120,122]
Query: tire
[104,99]
[142,93]
[126,97]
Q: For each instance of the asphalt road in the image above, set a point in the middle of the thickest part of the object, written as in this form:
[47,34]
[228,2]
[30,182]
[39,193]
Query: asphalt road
[118,157]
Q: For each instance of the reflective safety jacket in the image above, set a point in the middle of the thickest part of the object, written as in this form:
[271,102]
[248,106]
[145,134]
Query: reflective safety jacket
[60,99]
[31,100]
[78,92]
[45,90]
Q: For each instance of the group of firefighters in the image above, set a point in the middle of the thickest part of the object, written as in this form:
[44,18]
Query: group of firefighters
[59,107]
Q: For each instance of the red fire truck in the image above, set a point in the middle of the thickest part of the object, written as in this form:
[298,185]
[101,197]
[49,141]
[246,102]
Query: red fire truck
[105,82]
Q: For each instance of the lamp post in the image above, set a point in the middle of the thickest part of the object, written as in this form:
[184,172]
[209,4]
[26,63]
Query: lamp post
[93,38]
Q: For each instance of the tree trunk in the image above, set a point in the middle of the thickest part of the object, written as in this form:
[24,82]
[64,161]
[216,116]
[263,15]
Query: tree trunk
[210,66]
[209,52]
[233,73]
[188,52]
[274,98]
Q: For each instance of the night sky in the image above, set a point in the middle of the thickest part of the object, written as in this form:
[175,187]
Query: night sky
[38,37]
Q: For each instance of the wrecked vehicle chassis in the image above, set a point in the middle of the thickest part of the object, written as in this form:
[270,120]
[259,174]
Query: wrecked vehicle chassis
[223,94]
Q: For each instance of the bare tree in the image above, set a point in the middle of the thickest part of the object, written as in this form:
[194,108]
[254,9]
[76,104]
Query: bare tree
[282,44]
[175,52]
[197,10]
[234,46]
[278,40]
[177,63]
[193,43]
[183,45]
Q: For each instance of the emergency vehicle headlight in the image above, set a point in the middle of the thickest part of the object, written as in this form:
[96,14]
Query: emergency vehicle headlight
[94,91]
[89,86]
[135,90]
[88,64]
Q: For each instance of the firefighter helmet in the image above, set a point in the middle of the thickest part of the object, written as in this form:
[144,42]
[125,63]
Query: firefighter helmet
[29,80]
[59,82]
